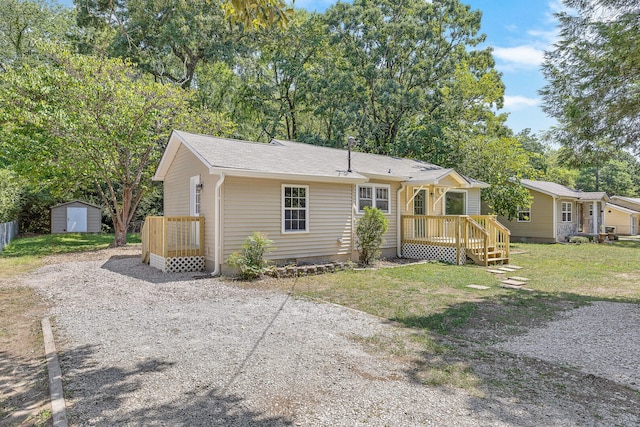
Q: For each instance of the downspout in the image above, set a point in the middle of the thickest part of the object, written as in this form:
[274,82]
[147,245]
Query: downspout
[399,223]
[555,219]
[216,226]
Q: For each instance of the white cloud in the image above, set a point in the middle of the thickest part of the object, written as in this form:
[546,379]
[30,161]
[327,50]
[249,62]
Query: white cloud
[519,102]
[521,56]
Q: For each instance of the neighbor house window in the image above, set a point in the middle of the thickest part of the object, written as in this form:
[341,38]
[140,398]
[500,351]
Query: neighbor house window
[295,208]
[524,214]
[374,195]
[566,211]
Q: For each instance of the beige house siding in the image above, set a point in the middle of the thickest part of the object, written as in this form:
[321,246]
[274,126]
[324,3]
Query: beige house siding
[256,205]
[473,201]
[59,217]
[390,237]
[177,195]
[620,220]
[542,222]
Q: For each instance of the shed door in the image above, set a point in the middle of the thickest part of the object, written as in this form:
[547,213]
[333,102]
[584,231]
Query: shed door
[76,220]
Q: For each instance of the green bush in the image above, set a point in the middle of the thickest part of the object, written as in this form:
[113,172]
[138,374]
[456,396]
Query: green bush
[250,259]
[370,229]
[578,239]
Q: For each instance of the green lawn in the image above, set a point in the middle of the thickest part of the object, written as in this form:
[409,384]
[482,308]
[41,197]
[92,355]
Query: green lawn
[24,254]
[435,296]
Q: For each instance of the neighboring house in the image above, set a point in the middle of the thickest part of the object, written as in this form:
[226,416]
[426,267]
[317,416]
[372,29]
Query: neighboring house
[622,215]
[556,213]
[307,200]
[76,217]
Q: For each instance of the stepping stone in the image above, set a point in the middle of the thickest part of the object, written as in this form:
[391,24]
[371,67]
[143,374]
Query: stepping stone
[515,266]
[510,270]
[478,287]
[522,279]
[514,282]
[495,271]
[520,288]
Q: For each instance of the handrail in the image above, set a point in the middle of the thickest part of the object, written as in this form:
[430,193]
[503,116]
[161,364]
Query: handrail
[173,236]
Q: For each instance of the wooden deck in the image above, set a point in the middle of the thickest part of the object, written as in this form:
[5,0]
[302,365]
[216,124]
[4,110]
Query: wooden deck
[482,237]
[172,236]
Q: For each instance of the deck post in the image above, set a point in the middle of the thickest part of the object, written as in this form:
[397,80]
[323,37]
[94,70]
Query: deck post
[201,220]
[165,239]
[458,255]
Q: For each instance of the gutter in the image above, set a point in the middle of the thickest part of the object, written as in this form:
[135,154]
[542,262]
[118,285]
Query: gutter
[217,226]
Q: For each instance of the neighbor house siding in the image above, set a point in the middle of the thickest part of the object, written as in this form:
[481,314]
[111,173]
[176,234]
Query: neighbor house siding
[620,220]
[256,205]
[59,217]
[542,222]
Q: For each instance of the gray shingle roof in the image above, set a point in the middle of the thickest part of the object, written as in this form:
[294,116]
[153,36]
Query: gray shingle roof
[294,158]
[560,190]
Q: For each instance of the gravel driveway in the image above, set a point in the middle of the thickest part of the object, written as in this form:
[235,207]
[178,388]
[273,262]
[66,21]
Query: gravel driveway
[146,348]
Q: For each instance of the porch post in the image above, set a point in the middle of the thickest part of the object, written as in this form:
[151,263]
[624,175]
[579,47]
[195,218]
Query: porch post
[596,212]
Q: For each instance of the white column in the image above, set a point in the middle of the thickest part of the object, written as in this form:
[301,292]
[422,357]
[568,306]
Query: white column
[595,217]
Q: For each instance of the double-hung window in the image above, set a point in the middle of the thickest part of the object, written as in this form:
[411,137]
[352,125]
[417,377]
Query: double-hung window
[524,214]
[374,195]
[295,208]
[567,208]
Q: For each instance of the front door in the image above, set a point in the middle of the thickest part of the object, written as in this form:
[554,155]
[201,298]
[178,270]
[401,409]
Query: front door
[420,208]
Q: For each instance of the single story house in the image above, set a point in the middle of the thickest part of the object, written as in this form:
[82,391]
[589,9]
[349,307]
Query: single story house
[76,216]
[557,212]
[307,199]
[622,215]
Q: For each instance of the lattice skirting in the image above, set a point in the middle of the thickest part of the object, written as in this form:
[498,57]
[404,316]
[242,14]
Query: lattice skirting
[177,264]
[429,252]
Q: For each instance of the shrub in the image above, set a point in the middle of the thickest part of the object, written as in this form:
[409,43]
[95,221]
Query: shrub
[250,259]
[370,229]
[578,239]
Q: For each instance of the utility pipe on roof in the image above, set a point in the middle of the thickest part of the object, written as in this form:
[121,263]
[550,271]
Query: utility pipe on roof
[217,226]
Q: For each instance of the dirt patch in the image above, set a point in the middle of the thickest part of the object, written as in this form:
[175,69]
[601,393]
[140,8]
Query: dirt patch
[23,375]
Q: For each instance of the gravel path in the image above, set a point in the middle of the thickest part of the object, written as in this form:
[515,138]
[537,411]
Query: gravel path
[145,348]
[601,339]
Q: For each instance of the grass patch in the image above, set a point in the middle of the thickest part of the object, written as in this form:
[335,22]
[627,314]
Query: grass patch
[24,253]
[51,244]
[434,296]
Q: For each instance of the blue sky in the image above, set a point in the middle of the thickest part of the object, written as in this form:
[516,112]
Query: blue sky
[519,32]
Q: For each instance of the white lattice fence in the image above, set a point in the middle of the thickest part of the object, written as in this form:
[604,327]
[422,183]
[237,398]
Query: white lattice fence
[177,264]
[429,252]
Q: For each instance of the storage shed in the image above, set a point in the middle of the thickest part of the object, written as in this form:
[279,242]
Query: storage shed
[76,217]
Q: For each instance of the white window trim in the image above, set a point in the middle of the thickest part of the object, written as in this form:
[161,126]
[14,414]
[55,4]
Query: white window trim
[306,215]
[194,181]
[466,201]
[373,196]
[563,211]
[527,211]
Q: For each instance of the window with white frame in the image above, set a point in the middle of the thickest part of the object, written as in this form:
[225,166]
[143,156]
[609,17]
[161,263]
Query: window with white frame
[295,208]
[524,214]
[374,195]
[567,208]
[195,188]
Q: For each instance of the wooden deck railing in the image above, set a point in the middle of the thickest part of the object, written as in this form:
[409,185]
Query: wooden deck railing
[478,234]
[172,236]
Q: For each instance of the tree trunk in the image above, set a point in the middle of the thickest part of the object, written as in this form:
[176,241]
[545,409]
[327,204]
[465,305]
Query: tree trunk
[121,234]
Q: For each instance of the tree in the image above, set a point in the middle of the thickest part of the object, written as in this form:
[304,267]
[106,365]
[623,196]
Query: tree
[11,193]
[404,56]
[594,75]
[86,121]
[258,14]
[25,22]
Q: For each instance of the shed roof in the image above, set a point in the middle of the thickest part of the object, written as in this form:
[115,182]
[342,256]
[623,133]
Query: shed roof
[559,190]
[75,201]
[287,159]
